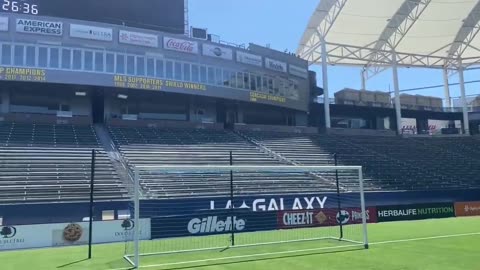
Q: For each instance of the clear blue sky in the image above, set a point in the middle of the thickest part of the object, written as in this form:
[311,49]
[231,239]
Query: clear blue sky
[281,23]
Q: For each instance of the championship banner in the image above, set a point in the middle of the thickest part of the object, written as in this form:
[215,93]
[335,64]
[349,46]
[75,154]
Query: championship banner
[69,234]
[415,211]
[467,209]
[325,217]
[212,222]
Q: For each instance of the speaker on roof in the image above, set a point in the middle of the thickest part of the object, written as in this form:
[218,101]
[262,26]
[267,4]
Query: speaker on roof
[199,33]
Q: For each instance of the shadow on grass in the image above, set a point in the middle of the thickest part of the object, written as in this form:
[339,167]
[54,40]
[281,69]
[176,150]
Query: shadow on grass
[272,258]
[72,263]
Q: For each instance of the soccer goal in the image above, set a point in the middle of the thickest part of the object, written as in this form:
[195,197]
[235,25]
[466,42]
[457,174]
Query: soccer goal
[193,214]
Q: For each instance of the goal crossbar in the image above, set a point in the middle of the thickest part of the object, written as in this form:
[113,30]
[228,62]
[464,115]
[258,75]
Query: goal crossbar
[245,168]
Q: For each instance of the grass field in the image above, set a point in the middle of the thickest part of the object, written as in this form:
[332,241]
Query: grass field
[445,244]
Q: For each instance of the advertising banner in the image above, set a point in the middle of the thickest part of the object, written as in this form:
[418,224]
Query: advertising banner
[415,211]
[180,45]
[249,59]
[466,209]
[325,217]
[39,27]
[68,234]
[91,32]
[298,71]
[212,222]
[217,51]
[136,38]
[275,65]
[3,23]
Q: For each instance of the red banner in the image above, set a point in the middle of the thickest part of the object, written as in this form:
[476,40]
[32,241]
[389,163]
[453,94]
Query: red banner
[323,217]
[465,209]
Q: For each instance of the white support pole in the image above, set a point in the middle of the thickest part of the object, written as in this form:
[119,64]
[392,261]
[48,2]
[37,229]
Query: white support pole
[464,98]
[364,210]
[326,97]
[136,236]
[363,76]
[398,108]
[446,87]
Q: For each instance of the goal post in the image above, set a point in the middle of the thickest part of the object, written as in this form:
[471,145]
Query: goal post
[199,208]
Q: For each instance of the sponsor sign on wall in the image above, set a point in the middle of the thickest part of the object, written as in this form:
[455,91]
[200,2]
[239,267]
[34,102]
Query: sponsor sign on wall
[68,234]
[298,71]
[3,23]
[207,222]
[136,38]
[325,217]
[91,32]
[180,45]
[249,59]
[465,209]
[272,203]
[275,65]
[217,51]
[415,211]
[39,27]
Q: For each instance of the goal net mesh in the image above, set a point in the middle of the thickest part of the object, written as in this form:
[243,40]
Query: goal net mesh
[205,208]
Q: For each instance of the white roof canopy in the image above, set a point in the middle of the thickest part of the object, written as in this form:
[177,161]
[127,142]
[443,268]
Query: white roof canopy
[422,33]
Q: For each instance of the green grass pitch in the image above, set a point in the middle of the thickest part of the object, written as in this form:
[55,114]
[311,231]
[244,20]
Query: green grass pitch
[421,249]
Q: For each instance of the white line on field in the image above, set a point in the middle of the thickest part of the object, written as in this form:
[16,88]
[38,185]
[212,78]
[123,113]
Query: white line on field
[301,250]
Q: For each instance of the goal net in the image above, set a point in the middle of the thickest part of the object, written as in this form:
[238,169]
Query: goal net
[187,214]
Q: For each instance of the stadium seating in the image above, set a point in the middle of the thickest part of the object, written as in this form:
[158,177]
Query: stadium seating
[390,163]
[153,146]
[52,163]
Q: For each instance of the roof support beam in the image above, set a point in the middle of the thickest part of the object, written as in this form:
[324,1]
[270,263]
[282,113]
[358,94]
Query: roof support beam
[329,10]
[399,25]
[467,33]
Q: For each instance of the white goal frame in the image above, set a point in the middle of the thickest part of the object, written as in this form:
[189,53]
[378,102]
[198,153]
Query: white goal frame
[236,168]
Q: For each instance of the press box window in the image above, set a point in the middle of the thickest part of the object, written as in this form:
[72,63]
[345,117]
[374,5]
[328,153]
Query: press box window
[19,53]
[160,69]
[42,56]
[54,57]
[120,65]
[186,72]
[141,66]
[195,73]
[77,59]
[211,75]
[169,69]
[203,74]
[110,63]
[88,57]
[130,65]
[6,54]
[66,58]
[31,56]
[99,61]
[178,71]
[150,67]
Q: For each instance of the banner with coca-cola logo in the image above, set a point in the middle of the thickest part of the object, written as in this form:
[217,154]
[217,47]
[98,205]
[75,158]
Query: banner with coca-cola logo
[180,45]
[136,38]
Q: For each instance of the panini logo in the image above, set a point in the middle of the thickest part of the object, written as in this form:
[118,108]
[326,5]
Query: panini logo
[212,224]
